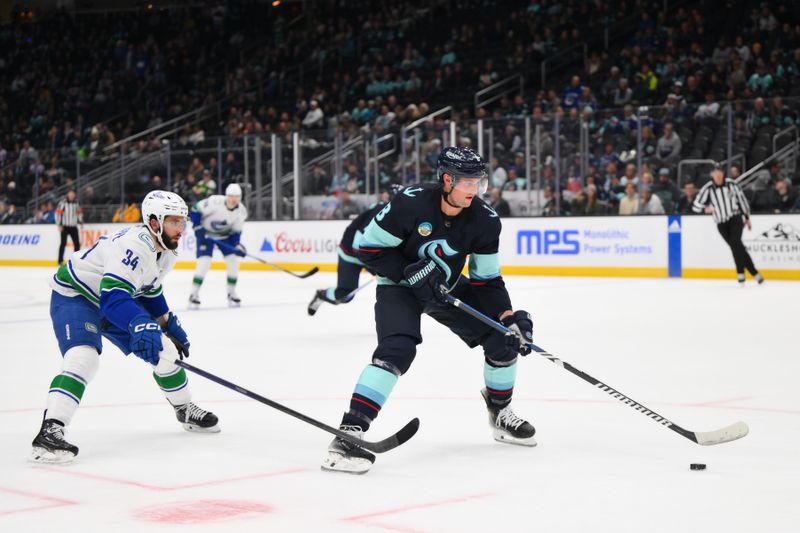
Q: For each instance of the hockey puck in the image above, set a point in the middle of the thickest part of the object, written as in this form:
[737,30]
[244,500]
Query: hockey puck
[697,466]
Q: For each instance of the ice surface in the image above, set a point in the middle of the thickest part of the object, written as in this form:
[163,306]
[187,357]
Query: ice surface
[702,353]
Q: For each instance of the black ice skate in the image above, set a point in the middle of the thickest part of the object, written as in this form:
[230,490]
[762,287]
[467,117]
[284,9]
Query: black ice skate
[195,419]
[508,427]
[234,300]
[194,301]
[316,302]
[346,457]
[49,445]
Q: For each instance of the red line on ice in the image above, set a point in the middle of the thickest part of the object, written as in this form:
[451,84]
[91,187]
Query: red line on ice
[160,488]
[53,502]
[363,518]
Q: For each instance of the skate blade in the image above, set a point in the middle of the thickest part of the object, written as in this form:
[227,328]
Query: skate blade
[193,307]
[193,428]
[505,438]
[336,462]
[58,457]
[234,304]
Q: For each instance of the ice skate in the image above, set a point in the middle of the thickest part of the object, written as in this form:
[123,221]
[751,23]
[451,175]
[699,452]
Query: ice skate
[508,427]
[346,457]
[759,278]
[234,300]
[194,301]
[49,445]
[195,419]
[320,296]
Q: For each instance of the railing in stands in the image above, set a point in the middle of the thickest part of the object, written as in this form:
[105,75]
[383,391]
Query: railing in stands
[496,91]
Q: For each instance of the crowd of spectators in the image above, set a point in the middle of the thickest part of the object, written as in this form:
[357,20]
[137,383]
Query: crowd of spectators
[362,64]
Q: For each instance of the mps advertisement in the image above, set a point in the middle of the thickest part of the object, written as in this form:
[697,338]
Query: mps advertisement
[582,246]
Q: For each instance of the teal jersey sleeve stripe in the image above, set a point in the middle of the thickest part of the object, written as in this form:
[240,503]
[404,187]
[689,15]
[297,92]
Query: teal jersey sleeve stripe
[348,258]
[376,236]
[358,238]
[484,266]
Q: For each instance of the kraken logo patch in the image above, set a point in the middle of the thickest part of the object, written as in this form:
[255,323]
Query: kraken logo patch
[425,229]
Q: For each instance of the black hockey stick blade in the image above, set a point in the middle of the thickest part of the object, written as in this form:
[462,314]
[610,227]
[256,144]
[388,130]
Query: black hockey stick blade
[705,438]
[389,443]
[307,274]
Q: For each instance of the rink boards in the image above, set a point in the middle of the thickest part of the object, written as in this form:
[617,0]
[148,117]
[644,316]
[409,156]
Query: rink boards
[654,246]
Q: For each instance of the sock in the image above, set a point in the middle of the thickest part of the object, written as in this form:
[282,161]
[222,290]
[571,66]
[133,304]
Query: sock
[173,382]
[66,390]
[196,284]
[499,382]
[372,390]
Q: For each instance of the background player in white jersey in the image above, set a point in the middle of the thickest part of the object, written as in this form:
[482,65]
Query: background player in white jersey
[218,221]
[114,290]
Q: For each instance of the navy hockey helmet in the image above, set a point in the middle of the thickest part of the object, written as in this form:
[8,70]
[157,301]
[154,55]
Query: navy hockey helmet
[459,162]
[394,188]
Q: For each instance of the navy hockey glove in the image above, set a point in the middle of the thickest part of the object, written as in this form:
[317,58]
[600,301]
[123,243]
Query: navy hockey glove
[240,250]
[145,338]
[521,334]
[175,332]
[426,278]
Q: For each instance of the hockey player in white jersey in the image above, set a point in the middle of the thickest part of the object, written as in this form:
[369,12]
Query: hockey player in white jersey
[218,221]
[114,290]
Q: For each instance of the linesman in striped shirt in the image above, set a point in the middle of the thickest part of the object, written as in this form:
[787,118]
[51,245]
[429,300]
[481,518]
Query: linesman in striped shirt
[724,199]
[69,215]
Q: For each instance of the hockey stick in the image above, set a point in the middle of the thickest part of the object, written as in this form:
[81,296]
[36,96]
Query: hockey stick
[273,265]
[389,443]
[352,293]
[704,438]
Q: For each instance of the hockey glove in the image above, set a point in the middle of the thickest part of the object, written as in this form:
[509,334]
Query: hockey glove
[175,332]
[240,250]
[145,338]
[520,336]
[200,234]
[425,279]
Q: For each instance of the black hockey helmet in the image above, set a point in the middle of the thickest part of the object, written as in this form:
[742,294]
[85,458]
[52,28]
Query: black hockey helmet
[460,162]
[394,188]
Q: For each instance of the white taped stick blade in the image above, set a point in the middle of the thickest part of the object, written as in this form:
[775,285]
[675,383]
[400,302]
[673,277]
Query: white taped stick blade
[720,436]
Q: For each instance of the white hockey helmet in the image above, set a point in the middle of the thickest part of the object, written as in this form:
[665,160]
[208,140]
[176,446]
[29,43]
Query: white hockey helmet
[162,204]
[233,190]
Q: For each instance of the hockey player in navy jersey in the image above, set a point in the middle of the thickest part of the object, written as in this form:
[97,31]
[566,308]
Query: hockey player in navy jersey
[218,221]
[418,245]
[350,266]
[114,290]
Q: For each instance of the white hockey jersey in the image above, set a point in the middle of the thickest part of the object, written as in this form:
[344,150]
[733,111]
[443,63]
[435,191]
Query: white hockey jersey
[125,261]
[217,219]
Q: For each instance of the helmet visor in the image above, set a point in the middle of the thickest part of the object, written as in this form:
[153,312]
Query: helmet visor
[477,185]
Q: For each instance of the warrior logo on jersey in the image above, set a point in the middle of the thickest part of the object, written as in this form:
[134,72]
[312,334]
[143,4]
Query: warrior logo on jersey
[425,229]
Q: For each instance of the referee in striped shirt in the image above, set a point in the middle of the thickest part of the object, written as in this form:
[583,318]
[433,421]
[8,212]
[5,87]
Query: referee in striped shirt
[724,199]
[68,215]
